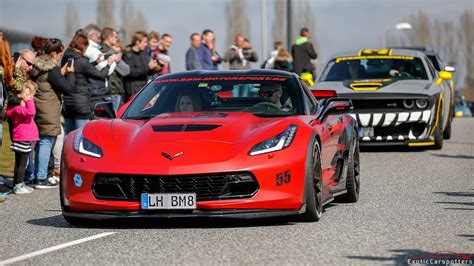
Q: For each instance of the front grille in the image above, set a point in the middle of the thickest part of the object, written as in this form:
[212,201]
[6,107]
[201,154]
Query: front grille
[206,187]
[403,130]
[387,105]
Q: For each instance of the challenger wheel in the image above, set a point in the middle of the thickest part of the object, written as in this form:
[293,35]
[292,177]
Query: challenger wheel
[438,135]
[313,188]
[353,174]
[447,130]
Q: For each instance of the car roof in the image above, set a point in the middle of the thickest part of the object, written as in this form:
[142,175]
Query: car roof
[252,72]
[425,50]
[390,51]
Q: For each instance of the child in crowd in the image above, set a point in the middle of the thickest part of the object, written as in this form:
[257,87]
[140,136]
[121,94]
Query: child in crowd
[25,133]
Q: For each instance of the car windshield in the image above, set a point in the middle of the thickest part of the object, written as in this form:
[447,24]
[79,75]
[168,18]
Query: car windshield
[265,96]
[360,68]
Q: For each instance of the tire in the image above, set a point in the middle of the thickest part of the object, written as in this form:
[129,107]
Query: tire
[447,130]
[438,135]
[353,173]
[313,188]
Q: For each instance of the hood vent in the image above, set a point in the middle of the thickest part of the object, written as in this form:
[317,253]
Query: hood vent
[184,127]
[366,86]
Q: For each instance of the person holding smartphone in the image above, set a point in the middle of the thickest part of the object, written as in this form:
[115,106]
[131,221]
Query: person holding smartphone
[53,82]
[77,105]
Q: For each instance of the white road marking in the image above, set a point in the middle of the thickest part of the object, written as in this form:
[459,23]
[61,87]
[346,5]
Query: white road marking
[51,249]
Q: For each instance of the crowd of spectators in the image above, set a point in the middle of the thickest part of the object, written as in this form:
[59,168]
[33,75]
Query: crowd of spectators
[52,88]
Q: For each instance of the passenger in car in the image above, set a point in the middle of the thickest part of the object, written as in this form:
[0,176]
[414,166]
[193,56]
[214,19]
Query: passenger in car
[188,103]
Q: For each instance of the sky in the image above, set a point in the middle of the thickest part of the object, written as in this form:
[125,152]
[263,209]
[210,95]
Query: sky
[341,25]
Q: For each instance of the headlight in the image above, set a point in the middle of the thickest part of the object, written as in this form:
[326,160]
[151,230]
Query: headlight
[85,146]
[279,142]
[408,103]
[421,103]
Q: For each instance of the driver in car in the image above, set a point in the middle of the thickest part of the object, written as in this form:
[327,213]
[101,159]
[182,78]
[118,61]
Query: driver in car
[272,93]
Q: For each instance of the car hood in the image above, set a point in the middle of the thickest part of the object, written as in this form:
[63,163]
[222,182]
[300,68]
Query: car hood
[376,86]
[201,137]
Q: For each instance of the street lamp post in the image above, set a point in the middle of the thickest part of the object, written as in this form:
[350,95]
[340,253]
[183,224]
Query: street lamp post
[399,27]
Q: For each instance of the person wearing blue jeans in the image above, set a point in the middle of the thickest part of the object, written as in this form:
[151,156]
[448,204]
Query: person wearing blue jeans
[43,155]
[71,124]
[53,80]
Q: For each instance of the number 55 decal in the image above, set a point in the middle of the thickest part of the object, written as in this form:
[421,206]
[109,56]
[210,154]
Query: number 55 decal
[283,178]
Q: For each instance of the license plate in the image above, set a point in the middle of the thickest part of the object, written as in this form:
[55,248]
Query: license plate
[178,201]
[366,132]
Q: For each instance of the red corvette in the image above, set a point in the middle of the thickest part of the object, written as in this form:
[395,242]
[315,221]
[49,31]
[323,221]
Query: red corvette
[239,144]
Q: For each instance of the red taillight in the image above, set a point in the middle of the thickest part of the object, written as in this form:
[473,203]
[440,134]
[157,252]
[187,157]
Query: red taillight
[323,94]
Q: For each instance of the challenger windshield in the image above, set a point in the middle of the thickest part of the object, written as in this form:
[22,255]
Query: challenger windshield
[381,67]
[265,96]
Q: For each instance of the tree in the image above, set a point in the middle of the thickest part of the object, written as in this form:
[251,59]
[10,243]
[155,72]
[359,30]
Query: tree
[71,20]
[420,35]
[132,20]
[303,16]
[466,38]
[444,42]
[279,22]
[237,20]
[105,13]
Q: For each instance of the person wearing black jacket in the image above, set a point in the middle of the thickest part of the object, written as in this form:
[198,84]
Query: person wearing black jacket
[77,109]
[53,81]
[141,66]
[302,52]
[115,81]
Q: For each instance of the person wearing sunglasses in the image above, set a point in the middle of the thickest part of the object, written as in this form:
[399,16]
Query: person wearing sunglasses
[272,94]
[26,61]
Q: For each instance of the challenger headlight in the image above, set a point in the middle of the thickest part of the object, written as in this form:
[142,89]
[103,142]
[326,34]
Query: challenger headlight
[85,146]
[421,103]
[408,103]
[279,142]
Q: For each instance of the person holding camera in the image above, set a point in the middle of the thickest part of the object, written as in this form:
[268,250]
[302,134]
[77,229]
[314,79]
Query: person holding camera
[240,54]
[141,65]
[161,54]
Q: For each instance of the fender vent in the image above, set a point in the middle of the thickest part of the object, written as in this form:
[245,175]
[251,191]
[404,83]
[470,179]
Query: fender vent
[184,127]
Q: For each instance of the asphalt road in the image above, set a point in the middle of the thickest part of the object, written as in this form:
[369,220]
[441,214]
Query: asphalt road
[412,204]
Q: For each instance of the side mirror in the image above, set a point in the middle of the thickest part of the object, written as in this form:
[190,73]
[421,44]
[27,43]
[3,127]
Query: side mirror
[104,110]
[335,106]
[450,69]
[445,75]
[323,94]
